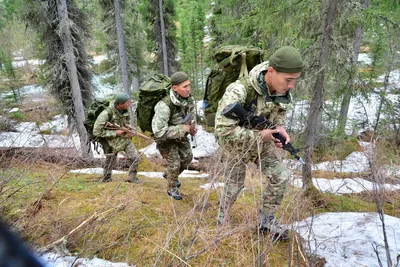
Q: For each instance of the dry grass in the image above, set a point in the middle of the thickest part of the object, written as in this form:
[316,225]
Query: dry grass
[141,225]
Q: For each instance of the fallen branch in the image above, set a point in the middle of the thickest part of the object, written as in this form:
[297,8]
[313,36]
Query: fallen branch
[63,240]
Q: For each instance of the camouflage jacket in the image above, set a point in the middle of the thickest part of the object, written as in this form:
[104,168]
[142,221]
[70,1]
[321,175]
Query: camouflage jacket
[111,114]
[272,107]
[167,122]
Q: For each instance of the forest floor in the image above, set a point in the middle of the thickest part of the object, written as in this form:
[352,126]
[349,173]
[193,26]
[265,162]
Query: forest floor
[141,225]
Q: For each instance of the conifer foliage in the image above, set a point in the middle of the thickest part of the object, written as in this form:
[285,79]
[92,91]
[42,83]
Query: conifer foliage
[57,33]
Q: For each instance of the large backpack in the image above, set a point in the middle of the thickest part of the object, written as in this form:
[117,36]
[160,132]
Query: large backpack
[95,108]
[233,62]
[152,91]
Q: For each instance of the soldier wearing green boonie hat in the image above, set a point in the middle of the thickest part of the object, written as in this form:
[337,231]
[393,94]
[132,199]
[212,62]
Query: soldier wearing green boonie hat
[266,92]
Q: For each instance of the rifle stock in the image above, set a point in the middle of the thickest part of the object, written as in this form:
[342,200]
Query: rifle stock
[114,126]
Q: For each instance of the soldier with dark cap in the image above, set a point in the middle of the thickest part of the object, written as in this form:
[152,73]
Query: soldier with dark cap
[171,134]
[115,141]
[267,89]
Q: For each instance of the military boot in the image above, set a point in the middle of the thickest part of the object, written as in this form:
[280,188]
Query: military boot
[178,184]
[106,178]
[133,179]
[268,224]
[174,193]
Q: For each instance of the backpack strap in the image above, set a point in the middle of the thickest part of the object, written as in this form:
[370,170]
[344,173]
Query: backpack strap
[167,100]
[243,66]
[251,95]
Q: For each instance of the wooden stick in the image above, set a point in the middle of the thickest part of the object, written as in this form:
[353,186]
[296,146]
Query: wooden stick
[92,218]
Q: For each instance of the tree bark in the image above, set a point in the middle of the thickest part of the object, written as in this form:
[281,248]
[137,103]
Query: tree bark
[318,96]
[163,39]
[66,38]
[122,53]
[344,109]
[121,47]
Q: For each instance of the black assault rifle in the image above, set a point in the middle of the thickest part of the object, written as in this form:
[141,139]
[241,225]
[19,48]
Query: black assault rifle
[250,121]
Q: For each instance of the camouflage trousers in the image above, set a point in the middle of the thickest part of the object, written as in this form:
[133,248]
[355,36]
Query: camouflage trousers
[133,158]
[178,155]
[235,157]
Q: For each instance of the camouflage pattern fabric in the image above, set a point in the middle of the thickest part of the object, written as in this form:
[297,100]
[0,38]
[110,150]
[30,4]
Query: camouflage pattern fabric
[112,143]
[166,126]
[171,139]
[241,146]
[178,155]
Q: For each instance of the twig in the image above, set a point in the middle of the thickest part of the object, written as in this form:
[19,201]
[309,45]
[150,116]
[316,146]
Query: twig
[173,254]
[92,218]
[299,248]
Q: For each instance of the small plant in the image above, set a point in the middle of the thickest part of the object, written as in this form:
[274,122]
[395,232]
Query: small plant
[47,131]
[18,115]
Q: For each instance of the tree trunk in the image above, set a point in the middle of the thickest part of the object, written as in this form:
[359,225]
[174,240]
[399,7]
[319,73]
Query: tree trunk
[318,97]
[122,53]
[66,38]
[121,47]
[163,39]
[344,109]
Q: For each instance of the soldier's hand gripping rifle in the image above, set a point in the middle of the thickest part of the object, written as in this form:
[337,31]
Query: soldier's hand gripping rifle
[126,129]
[189,120]
[250,121]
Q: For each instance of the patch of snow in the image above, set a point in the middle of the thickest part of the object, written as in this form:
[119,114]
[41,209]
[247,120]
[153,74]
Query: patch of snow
[151,151]
[54,260]
[31,139]
[98,59]
[58,124]
[364,58]
[349,238]
[344,186]
[355,162]
[95,171]
[193,174]
[203,145]
[33,62]
[158,175]
[13,110]
[214,186]
[394,79]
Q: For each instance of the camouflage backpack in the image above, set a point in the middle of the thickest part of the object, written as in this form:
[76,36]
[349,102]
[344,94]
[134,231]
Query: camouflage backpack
[233,62]
[95,108]
[151,92]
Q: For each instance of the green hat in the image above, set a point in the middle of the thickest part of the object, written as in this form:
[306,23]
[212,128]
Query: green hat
[286,59]
[121,98]
[179,77]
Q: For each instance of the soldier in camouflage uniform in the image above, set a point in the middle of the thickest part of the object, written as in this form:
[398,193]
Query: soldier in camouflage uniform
[171,134]
[268,85]
[114,141]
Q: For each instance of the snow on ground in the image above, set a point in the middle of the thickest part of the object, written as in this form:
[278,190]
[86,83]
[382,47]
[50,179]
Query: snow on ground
[54,260]
[344,186]
[348,238]
[355,162]
[184,174]
[364,58]
[214,186]
[203,145]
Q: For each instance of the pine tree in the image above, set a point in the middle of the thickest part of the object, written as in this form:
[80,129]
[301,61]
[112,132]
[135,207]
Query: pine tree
[163,34]
[62,29]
